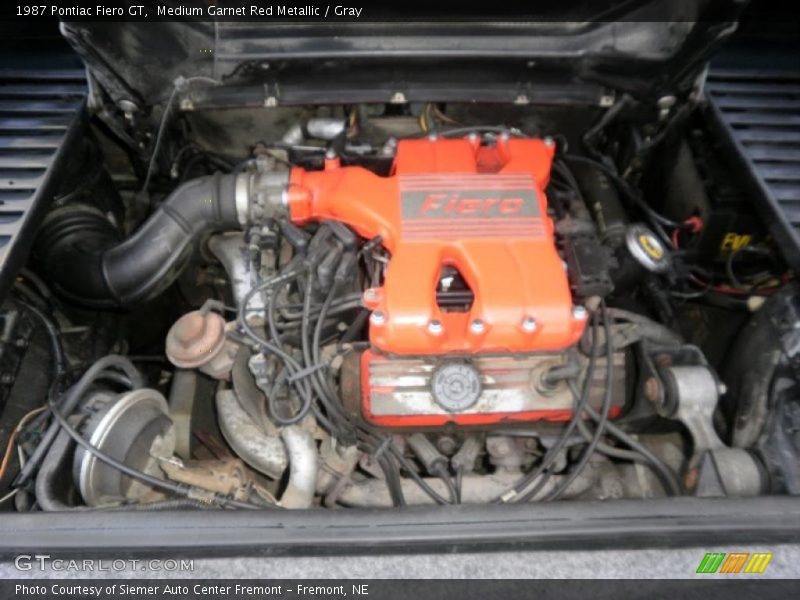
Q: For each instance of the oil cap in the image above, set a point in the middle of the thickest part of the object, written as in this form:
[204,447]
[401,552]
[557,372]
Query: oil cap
[646,248]
[456,386]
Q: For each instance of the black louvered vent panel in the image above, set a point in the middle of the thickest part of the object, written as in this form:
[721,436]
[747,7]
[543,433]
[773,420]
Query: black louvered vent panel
[759,113]
[39,110]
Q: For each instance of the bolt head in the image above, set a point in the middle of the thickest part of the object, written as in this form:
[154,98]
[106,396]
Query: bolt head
[435,327]
[371,294]
[378,317]
[666,102]
[549,142]
[690,481]
[330,154]
[663,360]
[607,100]
[477,326]
[651,389]
[502,448]
[446,444]
[529,324]
[579,313]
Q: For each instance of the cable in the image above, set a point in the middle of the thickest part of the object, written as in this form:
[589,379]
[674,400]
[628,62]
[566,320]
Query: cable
[272,400]
[607,449]
[292,366]
[327,399]
[347,302]
[392,477]
[156,482]
[297,374]
[56,348]
[316,342]
[657,220]
[38,283]
[13,438]
[581,403]
[607,117]
[452,489]
[372,444]
[737,284]
[415,476]
[159,136]
[601,423]
[668,478]
[516,493]
[461,131]
[9,495]
[289,370]
[179,83]
[70,402]
[639,453]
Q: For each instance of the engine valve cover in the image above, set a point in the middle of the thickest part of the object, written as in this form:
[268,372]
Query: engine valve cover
[486,390]
[460,204]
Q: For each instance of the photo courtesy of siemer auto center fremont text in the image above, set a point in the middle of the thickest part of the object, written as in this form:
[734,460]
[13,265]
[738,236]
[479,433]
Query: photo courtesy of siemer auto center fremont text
[430,300]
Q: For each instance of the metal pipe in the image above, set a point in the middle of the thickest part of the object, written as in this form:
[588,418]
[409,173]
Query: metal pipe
[302,467]
[263,452]
[476,489]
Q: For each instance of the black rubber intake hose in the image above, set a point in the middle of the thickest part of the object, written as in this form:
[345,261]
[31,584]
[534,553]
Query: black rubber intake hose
[81,251]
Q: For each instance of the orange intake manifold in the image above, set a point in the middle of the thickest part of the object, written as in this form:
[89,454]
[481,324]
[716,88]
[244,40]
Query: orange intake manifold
[454,202]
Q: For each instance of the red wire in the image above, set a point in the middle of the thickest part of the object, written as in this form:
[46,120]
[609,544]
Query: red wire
[694,224]
[724,289]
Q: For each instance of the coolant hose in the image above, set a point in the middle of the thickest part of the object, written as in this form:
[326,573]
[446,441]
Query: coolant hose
[80,249]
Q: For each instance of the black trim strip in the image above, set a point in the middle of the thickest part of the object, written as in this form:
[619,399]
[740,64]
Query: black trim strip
[584,525]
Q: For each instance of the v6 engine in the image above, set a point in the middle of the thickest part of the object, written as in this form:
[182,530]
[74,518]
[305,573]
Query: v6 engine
[454,209]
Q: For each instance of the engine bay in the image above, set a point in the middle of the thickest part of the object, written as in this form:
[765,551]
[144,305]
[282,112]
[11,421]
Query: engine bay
[386,304]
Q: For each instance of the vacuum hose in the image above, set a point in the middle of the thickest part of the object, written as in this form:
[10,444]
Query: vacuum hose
[81,251]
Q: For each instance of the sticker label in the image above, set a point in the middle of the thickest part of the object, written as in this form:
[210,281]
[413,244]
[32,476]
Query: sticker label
[735,241]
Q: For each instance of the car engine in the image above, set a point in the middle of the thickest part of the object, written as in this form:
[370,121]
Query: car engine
[379,304]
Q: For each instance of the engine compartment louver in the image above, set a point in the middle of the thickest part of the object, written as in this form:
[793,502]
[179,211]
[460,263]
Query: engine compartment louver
[39,110]
[757,113]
